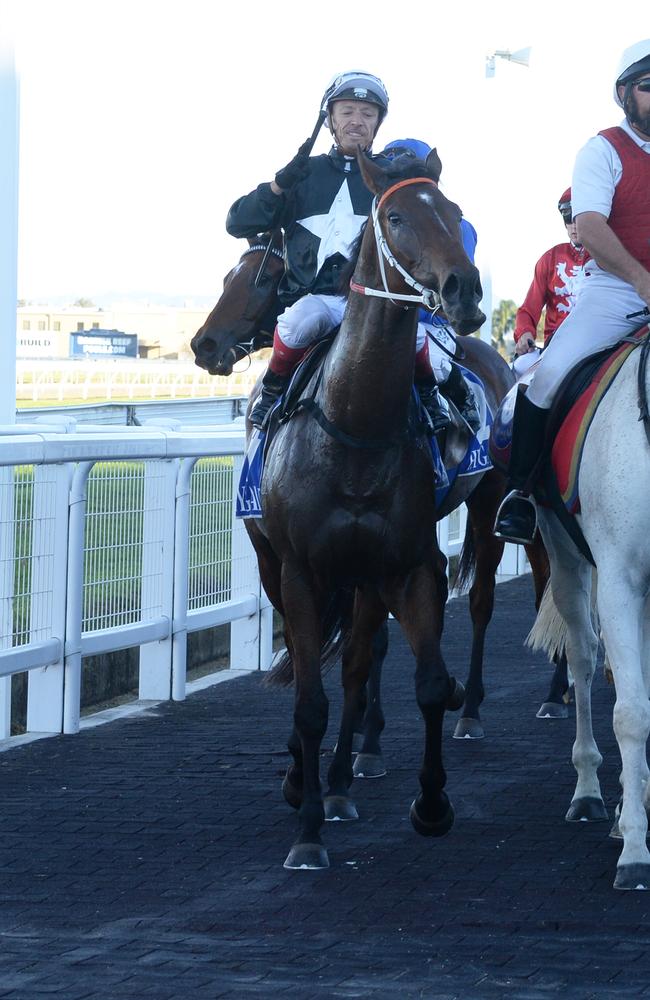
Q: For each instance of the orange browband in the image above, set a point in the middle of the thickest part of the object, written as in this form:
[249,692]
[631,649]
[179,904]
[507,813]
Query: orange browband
[401,184]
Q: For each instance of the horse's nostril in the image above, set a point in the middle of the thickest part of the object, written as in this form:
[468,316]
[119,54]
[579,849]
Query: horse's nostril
[208,345]
[451,289]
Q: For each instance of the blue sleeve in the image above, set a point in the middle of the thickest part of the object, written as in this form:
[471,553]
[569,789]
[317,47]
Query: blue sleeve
[469,238]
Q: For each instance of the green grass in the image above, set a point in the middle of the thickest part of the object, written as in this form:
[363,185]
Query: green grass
[113,534]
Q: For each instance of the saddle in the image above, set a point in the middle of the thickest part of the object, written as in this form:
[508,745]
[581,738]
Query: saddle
[459,453]
[570,417]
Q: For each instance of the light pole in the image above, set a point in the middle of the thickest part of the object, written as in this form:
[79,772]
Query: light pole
[522,58]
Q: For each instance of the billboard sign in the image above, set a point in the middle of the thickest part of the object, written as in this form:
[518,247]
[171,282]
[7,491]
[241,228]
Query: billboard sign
[103,343]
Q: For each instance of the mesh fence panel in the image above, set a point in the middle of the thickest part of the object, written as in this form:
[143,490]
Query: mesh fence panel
[115,549]
[210,567]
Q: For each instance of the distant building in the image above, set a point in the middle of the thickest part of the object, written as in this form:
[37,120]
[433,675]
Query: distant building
[162,331]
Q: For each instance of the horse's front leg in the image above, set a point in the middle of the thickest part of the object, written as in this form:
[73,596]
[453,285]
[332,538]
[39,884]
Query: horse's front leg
[303,621]
[369,614]
[414,605]
[369,762]
[482,506]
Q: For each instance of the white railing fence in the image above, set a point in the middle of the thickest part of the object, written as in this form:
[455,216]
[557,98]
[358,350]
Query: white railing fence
[113,538]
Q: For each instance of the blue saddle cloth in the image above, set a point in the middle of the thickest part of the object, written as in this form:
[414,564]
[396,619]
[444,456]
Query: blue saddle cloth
[475,460]
[477,456]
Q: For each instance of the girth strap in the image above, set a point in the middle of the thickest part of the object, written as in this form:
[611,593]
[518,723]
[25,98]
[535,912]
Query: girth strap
[311,407]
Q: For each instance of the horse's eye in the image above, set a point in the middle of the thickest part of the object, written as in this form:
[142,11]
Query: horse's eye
[394,219]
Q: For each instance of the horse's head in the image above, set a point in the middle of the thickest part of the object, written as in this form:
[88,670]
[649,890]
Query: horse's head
[244,318]
[421,229]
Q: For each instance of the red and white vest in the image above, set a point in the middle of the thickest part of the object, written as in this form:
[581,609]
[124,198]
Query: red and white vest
[630,214]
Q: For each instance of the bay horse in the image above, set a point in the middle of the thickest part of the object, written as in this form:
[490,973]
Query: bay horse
[245,315]
[613,487]
[242,321]
[349,498]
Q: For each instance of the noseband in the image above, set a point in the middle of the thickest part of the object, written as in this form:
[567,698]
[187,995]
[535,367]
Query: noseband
[426,296]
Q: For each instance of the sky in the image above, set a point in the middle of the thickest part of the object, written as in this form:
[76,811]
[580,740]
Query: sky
[141,121]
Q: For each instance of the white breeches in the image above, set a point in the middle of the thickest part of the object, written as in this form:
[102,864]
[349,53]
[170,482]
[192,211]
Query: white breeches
[439,360]
[597,320]
[314,316]
[310,318]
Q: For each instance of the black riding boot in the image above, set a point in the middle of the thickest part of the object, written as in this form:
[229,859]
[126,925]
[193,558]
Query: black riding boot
[457,390]
[430,399]
[273,385]
[516,519]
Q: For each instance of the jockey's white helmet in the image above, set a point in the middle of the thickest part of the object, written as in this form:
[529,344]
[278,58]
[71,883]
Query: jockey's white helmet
[634,61]
[356,85]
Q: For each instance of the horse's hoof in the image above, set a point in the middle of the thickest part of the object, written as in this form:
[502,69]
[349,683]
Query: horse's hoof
[551,710]
[368,765]
[615,832]
[587,809]
[339,807]
[291,794]
[312,856]
[456,699]
[632,876]
[435,828]
[469,729]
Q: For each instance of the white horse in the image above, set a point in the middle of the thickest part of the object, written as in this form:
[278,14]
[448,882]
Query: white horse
[614,488]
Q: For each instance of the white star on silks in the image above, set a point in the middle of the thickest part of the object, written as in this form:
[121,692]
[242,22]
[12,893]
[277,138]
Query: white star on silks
[338,229]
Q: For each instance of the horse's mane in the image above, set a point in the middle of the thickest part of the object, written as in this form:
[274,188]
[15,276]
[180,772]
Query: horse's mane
[402,168]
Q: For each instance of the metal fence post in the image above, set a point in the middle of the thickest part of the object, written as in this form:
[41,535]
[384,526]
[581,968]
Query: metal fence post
[158,574]
[181,571]
[74,610]
[7,550]
[48,593]
[245,632]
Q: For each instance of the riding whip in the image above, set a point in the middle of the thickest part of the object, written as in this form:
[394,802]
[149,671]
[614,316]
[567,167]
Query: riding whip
[312,139]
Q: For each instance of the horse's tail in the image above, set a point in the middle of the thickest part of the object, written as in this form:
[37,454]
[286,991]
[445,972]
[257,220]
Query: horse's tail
[549,631]
[466,562]
[336,629]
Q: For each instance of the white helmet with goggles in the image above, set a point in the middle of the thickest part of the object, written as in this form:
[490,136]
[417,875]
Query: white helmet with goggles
[634,62]
[356,86]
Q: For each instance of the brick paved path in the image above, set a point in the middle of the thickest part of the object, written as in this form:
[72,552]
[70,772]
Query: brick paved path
[143,859]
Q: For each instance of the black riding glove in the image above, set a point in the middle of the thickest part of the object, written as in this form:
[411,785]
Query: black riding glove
[296,170]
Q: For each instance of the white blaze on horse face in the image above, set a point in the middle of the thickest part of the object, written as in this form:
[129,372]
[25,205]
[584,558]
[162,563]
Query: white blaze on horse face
[428,198]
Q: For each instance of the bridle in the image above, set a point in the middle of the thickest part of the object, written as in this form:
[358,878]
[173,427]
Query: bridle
[244,349]
[426,296]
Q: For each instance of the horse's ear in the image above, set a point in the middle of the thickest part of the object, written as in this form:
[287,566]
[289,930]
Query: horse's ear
[372,174]
[434,166]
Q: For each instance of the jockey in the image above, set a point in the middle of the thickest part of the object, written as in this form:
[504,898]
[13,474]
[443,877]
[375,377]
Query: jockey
[433,369]
[611,205]
[321,202]
[558,274]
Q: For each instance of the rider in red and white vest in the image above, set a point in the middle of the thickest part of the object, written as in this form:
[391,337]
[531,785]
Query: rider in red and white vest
[611,204]
[557,277]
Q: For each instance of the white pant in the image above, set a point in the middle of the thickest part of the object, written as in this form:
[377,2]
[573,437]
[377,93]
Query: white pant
[439,360]
[597,320]
[310,318]
[314,316]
